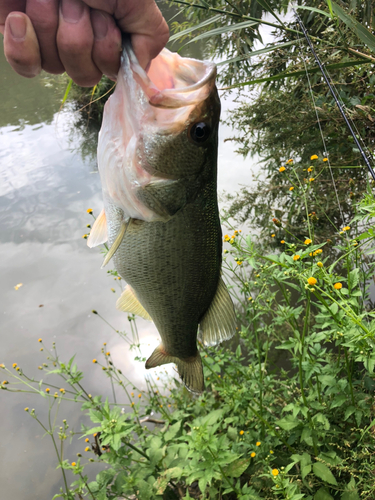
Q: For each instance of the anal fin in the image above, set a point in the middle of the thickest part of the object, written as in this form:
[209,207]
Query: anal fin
[219,322]
[117,242]
[98,233]
[128,302]
[189,369]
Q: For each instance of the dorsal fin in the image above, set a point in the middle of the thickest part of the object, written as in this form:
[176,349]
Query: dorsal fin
[219,322]
[98,233]
[128,302]
[124,226]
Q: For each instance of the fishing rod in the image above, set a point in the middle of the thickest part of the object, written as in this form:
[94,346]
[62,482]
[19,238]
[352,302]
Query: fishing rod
[365,158]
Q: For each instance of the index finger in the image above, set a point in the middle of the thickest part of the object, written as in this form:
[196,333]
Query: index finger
[8,6]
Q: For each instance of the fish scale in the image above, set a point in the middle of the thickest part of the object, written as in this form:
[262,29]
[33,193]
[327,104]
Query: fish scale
[175,269]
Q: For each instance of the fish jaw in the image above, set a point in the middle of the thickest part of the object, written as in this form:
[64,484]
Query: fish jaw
[150,111]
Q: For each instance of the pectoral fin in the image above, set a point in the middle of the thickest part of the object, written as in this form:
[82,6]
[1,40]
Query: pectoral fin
[117,242]
[219,322]
[189,369]
[165,197]
[128,302]
[98,233]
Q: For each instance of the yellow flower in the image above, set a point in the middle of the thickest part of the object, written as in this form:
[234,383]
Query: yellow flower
[291,188]
[282,242]
[312,281]
[318,251]
[346,228]
[87,448]
[139,395]
[108,353]
[311,179]
[87,440]
[85,236]
[311,254]
[325,159]
[258,443]
[290,161]
[132,404]
[132,394]
[308,241]
[226,238]
[26,409]
[296,257]
[310,169]
[337,286]
[62,390]
[275,472]
[94,360]
[89,210]
[319,264]
[253,454]
[314,157]
[271,452]
[242,433]
[236,232]
[73,464]
[14,365]
[39,340]
[273,235]
[239,262]
[47,390]
[281,169]
[231,241]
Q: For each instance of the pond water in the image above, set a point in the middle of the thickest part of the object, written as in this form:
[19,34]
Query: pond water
[46,187]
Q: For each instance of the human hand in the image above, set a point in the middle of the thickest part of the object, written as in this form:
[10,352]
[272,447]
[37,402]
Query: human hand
[81,37]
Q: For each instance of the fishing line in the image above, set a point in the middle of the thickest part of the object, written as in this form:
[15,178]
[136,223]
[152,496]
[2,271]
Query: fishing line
[365,158]
[321,131]
[364,146]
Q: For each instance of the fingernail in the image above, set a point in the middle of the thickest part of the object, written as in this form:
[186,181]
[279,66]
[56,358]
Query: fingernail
[72,10]
[99,24]
[17,25]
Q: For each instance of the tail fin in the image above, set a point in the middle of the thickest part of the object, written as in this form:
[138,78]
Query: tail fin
[189,369]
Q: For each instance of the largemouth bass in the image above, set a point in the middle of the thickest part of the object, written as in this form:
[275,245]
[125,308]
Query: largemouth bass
[157,157]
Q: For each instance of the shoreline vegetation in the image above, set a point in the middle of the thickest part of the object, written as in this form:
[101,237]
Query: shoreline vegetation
[288,411]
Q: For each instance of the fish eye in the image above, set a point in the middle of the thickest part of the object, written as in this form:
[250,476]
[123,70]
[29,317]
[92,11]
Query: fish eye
[199,132]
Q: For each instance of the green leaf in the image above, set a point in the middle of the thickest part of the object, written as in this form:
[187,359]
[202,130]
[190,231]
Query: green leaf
[221,30]
[172,431]
[237,468]
[305,470]
[288,423]
[334,308]
[349,411]
[207,22]
[338,401]
[314,10]
[297,74]
[69,86]
[351,492]
[266,7]
[323,494]
[256,53]
[354,278]
[361,31]
[323,472]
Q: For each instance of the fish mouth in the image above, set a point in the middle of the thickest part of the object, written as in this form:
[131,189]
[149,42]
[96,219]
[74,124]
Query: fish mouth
[172,81]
